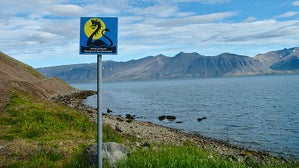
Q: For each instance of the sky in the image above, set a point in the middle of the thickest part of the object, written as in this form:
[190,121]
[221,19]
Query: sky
[46,33]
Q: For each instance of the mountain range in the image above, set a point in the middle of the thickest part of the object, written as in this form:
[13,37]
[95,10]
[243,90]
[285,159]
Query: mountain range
[182,65]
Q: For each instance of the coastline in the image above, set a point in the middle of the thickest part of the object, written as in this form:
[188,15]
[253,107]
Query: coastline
[149,133]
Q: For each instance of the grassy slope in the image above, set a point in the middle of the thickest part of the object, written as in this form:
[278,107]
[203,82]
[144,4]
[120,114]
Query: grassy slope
[26,67]
[35,133]
[39,133]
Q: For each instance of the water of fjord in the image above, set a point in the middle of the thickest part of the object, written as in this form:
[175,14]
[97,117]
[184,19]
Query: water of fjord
[258,112]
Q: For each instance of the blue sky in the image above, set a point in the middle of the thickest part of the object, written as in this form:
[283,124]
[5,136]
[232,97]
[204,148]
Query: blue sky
[46,33]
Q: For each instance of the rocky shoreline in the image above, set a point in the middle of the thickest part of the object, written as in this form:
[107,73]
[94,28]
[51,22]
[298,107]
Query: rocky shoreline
[147,133]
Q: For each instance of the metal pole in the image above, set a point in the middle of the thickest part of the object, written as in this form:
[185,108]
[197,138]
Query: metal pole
[99,109]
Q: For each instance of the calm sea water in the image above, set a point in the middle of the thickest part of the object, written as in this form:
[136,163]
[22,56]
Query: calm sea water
[259,113]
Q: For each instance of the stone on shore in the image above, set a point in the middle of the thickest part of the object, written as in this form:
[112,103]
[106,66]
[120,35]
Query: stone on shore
[201,118]
[130,117]
[168,117]
[118,128]
[111,151]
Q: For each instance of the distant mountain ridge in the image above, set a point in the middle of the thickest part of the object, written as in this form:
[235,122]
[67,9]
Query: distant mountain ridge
[183,65]
[281,60]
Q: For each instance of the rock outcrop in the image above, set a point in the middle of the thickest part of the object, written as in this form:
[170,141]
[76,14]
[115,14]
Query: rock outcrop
[111,152]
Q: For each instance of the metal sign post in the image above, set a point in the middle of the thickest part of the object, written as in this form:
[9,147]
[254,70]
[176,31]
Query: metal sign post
[98,35]
[99,109]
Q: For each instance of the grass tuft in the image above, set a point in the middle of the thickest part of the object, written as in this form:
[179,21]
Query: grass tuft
[176,156]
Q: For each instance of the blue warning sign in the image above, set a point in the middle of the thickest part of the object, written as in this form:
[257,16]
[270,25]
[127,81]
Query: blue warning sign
[98,35]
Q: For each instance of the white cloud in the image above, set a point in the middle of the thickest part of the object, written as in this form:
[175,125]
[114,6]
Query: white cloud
[67,10]
[28,8]
[250,19]
[198,19]
[159,11]
[214,1]
[255,32]
[295,3]
[260,32]
[288,14]
[49,30]
[200,1]
[101,9]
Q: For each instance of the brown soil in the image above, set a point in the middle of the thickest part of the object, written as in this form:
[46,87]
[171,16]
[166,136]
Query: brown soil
[15,75]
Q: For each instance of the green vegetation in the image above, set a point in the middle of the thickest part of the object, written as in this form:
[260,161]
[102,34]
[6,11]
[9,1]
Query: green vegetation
[187,156]
[177,156]
[38,133]
[40,121]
